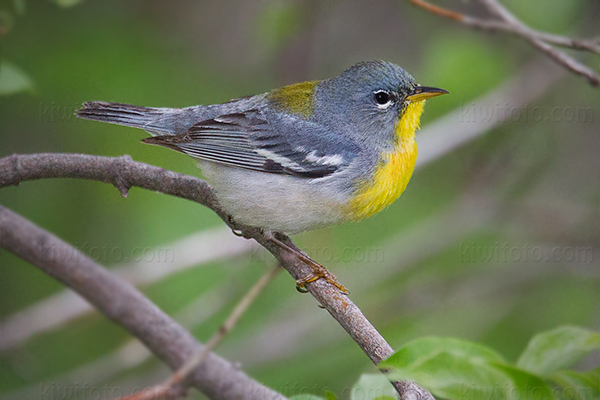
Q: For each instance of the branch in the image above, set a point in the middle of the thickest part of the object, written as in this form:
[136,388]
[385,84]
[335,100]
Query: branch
[132,353]
[194,251]
[174,386]
[124,173]
[543,41]
[435,140]
[126,306]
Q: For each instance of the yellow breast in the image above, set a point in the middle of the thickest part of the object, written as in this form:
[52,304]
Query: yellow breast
[393,171]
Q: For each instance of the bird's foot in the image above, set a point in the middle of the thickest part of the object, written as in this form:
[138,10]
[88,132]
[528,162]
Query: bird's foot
[321,273]
[318,270]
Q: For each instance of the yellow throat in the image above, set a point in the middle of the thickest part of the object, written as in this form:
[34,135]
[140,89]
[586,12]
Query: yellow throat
[394,170]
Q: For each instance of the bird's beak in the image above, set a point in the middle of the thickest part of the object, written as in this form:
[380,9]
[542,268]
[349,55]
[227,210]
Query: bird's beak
[424,92]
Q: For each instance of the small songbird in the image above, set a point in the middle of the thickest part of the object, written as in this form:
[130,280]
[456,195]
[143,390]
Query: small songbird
[300,157]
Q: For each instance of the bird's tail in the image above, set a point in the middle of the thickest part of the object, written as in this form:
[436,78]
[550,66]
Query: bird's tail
[147,118]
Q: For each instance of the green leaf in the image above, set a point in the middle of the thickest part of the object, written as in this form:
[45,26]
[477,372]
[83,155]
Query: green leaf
[526,385]
[12,79]
[306,397]
[451,368]
[371,387]
[579,385]
[557,349]
[457,369]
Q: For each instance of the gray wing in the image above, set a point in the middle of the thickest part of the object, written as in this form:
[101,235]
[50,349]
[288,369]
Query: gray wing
[267,143]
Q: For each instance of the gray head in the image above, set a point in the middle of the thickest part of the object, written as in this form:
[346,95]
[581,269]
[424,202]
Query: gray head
[370,96]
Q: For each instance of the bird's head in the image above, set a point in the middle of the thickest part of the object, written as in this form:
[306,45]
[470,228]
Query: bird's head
[377,101]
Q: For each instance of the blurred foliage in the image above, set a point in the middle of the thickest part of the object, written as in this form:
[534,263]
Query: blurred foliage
[540,174]
[558,16]
[13,80]
[278,22]
[458,369]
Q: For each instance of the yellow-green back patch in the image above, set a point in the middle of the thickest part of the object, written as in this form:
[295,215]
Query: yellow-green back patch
[297,98]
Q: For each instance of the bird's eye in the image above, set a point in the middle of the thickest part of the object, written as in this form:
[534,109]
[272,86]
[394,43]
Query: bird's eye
[383,98]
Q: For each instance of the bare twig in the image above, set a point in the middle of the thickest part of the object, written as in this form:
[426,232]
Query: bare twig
[125,173]
[543,41]
[282,338]
[444,12]
[435,140]
[126,306]
[586,44]
[558,56]
[175,386]
[184,372]
[132,353]
[128,173]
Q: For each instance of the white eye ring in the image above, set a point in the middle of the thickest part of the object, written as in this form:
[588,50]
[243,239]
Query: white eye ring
[383,99]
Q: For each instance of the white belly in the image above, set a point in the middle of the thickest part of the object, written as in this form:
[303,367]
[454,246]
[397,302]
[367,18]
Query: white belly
[275,202]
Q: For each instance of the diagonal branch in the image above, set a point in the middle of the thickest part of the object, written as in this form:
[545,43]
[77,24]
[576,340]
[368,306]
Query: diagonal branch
[543,41]
[558,56]
[435,141]
[126,306]
[175,386]
[124,173]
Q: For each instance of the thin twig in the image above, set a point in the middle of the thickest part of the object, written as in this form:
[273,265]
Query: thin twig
[558,56]
[515,27]
[435,140]
[182,373]
[133,353]
[175,386]
[125,173]
[282,339]
[126,306]
[543,41]
[444,12]
[19,168]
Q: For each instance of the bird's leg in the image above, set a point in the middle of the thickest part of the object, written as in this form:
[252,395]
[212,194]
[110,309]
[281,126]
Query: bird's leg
[318,271]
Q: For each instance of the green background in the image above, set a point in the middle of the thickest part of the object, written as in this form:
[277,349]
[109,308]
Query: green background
[415,269]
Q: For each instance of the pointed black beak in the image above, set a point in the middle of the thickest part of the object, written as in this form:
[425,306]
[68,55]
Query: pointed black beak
[424,92]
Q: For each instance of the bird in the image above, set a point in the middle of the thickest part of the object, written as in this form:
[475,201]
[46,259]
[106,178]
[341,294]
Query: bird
[301,157]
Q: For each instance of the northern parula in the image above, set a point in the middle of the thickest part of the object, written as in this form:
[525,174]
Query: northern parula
[301,157]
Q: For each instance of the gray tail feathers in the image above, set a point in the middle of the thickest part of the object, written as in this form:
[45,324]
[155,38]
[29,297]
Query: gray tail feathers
[122,114]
